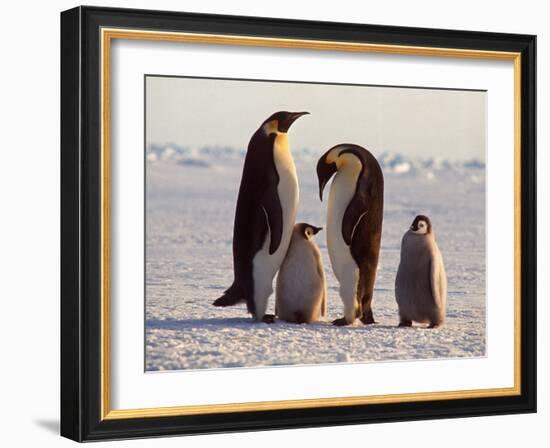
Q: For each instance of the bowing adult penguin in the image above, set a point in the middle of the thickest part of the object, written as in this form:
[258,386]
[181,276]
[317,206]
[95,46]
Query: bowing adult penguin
[354,225]
[264,216]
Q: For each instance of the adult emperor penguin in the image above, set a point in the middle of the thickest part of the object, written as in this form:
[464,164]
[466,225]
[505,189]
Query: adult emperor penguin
[421,282]
[264,216]
[354,225]
[301,292]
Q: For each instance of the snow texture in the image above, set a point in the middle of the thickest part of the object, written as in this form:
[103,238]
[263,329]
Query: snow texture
[190,205]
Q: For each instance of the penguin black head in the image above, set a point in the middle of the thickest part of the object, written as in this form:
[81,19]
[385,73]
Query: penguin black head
[307,230]
[281,121]
[325,170]
[421,225]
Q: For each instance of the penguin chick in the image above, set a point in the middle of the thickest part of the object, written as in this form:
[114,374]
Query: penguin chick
[301,294]
[421,282]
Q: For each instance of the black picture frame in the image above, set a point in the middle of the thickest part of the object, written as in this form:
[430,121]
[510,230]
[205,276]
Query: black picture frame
[81,224]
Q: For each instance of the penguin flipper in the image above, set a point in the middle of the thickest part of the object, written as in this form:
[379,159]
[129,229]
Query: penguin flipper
[274,216]
[369,192]
[438,280]
[355,212]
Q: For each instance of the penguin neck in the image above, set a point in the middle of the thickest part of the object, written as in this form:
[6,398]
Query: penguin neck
[429,235]
[282,155]
[349,166]
[345,180]
[281,141]
[298,244]
[413,242]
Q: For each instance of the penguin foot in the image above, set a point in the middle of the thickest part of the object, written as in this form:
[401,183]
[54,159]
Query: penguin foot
[405,323]
[268,318]
[434,325]
[233,295]
[368,319]
[225,300]
[340,322]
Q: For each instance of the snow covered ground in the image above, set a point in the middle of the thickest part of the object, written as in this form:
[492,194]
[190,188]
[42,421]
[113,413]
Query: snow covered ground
[190,202]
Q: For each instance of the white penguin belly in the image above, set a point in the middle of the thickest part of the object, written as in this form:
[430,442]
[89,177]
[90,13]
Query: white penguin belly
[344,266]
[341,193]
[265,266]
[301,290]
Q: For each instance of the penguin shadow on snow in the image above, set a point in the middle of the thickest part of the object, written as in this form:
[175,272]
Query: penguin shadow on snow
[357,327]
[221,323]
[217,323]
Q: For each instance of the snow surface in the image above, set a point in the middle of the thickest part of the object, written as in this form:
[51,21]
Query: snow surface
[190,201]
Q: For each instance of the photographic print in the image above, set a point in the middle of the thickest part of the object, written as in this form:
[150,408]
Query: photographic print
[272,204]
[295,223]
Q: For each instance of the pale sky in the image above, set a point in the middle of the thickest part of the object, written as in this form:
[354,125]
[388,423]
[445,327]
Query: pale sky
[415,122]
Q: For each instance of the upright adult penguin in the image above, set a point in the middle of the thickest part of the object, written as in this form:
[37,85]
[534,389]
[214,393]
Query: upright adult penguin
[354,225]
[264,216]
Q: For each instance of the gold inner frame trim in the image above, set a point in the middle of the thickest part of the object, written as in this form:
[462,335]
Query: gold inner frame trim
[107,35]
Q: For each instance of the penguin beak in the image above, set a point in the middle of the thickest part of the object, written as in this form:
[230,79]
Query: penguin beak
[284,126]
[325,171]
[316,230]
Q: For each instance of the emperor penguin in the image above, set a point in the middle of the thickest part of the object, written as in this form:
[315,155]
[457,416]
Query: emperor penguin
[354,225]
[421,282]
[301,291]
[264,216]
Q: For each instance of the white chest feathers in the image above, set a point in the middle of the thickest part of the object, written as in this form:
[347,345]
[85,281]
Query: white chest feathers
[288,180]
[342,191]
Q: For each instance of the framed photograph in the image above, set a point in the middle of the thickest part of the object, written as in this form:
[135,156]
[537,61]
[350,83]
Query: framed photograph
[276,224]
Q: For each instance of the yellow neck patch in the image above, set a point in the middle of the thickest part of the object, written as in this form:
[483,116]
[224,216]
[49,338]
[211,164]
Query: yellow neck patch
[345,161]
[271,127]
